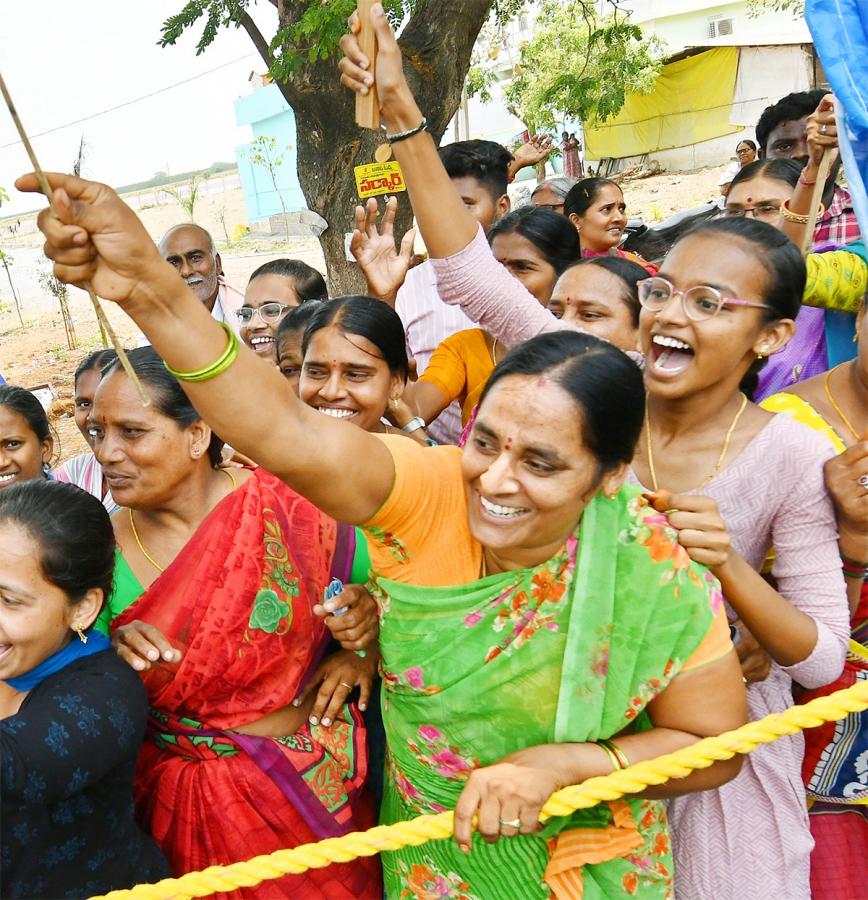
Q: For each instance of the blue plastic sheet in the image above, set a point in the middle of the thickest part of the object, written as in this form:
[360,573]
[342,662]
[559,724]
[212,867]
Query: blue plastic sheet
[840,32]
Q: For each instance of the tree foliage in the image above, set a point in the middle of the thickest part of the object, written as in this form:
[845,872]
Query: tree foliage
[186,195]
[758,7]
[579,66]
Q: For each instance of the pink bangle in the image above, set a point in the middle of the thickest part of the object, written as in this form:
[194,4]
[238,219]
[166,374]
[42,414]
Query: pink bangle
[804,182]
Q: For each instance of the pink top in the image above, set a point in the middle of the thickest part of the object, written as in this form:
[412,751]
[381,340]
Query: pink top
[493,298]
[751,837]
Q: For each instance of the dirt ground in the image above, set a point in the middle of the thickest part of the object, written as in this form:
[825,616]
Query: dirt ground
[38,354]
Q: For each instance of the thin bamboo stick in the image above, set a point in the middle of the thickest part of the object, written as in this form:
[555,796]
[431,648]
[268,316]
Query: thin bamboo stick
[102,319]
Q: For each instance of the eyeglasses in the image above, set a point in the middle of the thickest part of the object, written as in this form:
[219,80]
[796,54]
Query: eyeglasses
[699,303]
[765,212]
[744,151]
[269,312]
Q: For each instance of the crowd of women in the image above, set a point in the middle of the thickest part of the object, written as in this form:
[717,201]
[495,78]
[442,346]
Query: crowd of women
[626,553]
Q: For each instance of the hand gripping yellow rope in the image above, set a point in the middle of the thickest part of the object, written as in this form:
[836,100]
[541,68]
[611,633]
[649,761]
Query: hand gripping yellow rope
[426,828]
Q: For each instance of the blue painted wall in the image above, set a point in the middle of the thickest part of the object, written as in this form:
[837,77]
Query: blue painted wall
[267,113]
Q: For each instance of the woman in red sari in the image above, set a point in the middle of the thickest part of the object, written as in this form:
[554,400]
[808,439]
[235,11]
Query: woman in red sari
[216,593]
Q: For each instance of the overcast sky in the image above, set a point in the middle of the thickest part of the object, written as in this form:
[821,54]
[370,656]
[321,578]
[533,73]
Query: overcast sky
[65,60]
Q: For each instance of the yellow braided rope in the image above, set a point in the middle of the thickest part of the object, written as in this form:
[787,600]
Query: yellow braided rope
[418,831]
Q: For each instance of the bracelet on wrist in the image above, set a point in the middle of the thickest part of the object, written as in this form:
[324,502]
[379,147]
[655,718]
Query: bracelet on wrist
[804,181]
[853,562]
[615,754]
[852,569]
[797,219]
[410,132]
[218,367]
[414,424]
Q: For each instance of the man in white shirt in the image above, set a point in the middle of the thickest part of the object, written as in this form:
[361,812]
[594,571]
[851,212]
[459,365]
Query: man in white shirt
[480,172]
[191,250]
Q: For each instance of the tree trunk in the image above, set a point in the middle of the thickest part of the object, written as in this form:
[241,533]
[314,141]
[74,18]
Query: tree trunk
[437,43]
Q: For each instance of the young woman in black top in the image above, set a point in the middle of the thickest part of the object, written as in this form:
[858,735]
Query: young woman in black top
[72,713]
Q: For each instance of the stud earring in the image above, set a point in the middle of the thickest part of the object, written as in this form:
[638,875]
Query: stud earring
[80,632]
[393,402]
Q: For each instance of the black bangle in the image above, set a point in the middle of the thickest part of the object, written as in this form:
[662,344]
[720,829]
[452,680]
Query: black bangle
[403,135]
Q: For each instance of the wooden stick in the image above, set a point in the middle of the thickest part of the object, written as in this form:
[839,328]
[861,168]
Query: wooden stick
[367,105]
[102,319]
[816,197]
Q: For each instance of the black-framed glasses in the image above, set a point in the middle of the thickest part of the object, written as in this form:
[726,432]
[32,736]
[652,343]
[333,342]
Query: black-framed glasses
[269,312]
[764,212]
[699,303]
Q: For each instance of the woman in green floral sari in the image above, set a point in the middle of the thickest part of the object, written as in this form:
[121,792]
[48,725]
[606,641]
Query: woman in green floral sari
[532,606]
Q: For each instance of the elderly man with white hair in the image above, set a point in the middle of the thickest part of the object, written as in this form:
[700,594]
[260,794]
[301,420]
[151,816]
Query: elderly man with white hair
[191,250]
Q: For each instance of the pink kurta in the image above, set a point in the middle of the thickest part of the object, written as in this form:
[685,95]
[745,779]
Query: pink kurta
[750,839]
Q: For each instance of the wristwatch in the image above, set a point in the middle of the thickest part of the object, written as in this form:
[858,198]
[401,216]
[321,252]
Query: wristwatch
[414,424]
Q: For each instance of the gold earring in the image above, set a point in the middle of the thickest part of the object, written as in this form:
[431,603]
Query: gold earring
[393,402]
[80,632]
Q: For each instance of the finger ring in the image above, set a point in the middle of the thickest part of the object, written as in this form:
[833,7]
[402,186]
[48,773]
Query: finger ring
[863,480]
[510,823]
[824,128]
[349,687]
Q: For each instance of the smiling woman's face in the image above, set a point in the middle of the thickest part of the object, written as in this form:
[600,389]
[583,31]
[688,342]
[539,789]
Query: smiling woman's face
[35,615]
[527,484]
[22,454]
[345,376]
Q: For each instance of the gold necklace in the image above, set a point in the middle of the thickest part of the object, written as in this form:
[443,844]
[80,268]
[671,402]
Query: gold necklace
[720,458]
[141,546]
[135,532]
[494,352]
[844,419]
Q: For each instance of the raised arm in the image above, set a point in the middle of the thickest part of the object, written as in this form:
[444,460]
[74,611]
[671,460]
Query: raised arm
[490,296]
[445,224]
[93,236]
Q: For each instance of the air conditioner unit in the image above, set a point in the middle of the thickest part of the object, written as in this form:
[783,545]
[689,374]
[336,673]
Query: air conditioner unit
[720,27]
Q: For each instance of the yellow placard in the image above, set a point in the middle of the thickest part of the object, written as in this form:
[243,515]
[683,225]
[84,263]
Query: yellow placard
[379,178]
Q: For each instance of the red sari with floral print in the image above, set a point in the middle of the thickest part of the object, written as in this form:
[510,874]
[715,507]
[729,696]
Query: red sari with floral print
[238,601]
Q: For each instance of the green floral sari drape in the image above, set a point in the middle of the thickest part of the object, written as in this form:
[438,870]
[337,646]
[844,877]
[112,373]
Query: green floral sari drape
[570,651]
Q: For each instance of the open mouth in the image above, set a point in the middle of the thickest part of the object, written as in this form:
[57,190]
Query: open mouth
[670,355]
[8,478]
[502,513]
[337,412]
[263,344]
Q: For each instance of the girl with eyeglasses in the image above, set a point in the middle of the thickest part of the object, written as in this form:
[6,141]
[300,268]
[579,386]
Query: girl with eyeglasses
[275,288]
[736,481]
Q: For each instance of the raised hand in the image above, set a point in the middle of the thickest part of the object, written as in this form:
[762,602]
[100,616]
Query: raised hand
[822,130]
[531,152]
[397,107]
[92,235]
[384,267]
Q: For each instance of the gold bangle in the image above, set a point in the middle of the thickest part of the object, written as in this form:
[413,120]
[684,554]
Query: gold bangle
[218,367]
[619,754]
[612,758]
[789,216]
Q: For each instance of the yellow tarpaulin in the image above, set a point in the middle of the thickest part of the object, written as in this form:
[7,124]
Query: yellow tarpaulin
[691,102]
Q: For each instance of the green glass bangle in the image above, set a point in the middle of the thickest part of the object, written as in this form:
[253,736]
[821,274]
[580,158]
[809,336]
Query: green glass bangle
[218,367]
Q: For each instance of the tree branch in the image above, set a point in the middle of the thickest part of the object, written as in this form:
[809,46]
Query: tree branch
[256,36]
